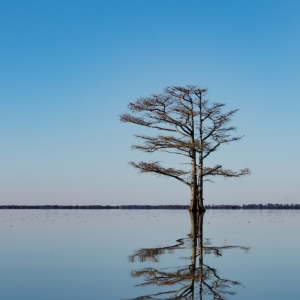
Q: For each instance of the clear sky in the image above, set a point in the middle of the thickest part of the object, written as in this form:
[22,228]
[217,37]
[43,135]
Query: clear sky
[69,68]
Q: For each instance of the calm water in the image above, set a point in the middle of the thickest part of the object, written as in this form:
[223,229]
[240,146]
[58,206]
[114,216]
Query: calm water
[51,254]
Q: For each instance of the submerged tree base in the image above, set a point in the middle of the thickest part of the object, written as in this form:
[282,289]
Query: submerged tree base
[196,206]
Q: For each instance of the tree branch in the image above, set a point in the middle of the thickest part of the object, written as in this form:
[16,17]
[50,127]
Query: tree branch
[155,168]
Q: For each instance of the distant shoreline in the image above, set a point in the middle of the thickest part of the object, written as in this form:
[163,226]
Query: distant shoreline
[186,207]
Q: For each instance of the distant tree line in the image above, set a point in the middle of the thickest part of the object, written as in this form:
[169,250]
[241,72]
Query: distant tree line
[248,206]
[255,206]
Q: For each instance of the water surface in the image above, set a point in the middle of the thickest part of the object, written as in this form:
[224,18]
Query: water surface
[79,254]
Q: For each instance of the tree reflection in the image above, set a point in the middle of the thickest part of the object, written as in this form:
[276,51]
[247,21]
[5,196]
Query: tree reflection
[191,281]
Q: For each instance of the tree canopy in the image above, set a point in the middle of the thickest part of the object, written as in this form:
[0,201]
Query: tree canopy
[192,127]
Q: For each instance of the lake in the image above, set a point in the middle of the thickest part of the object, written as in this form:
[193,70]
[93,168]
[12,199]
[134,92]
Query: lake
[127,254]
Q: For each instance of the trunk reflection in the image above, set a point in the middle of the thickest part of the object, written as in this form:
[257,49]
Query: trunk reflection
[192,281]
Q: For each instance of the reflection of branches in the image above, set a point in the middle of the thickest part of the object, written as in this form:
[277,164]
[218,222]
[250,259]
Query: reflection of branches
[217,251]
[164,277]
[152,254]
[219,286]
[189,280]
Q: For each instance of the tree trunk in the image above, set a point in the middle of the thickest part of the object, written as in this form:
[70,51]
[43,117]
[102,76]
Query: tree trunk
[201,207]
[193,201]
[193,186]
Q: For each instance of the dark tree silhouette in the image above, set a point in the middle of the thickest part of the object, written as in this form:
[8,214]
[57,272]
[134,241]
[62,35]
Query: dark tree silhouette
[194,128]
[191,281]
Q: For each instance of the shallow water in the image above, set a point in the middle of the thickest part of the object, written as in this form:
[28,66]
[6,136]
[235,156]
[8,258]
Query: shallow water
[84,254]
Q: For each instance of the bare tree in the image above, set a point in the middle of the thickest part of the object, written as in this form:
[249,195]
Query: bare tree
[194,128]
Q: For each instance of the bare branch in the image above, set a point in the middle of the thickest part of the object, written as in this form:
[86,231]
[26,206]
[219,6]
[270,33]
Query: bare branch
[157,169]
[160,143]
[218,171]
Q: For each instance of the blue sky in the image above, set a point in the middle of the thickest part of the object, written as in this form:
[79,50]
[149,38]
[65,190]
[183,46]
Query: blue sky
[69,68]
